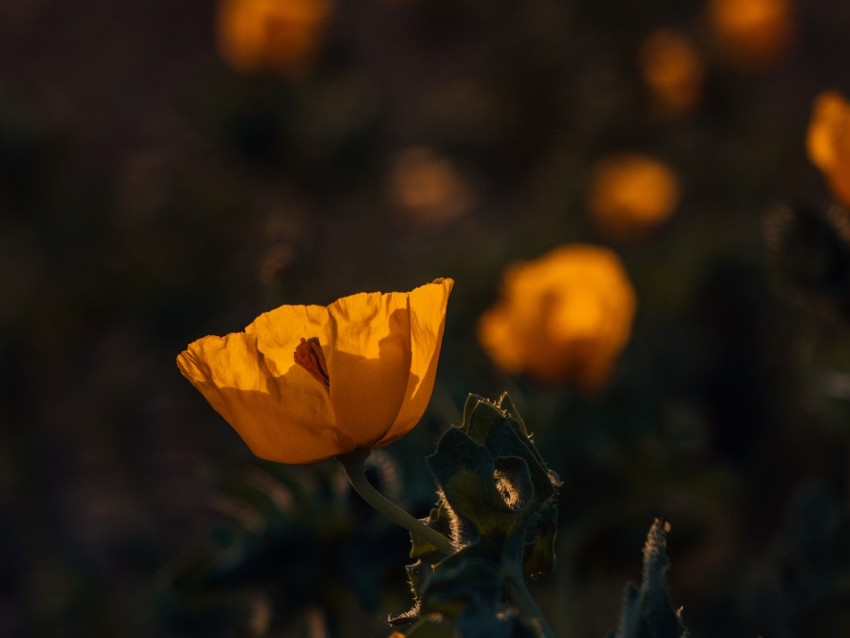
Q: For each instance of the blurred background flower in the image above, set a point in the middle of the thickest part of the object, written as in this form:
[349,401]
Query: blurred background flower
[428,188]
[753,33]
[672,70]
[630,194]
[280,36]
[562,318]
[828,142]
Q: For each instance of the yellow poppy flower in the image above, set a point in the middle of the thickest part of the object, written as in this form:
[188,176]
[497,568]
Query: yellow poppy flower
[271,35]
[428,187]
[753,33]
[828,142]
[672,71]
[630,194]
[306,383]
[564,317]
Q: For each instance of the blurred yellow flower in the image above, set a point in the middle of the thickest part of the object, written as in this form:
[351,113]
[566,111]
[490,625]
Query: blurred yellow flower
[428,187]
[828,142]
[564,317]
[754,33]
[306,383]
[271,35]
[672,70]
[630,194]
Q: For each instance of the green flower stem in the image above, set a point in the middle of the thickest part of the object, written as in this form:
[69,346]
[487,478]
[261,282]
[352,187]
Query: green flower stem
[521,597]
[355,469]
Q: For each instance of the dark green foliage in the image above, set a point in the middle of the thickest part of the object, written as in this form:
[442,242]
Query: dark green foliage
[811,252]
[803,588]
[647,612]
[497,500]
[297,540]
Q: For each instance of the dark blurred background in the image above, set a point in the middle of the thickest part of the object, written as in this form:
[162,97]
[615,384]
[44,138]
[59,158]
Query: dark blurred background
[151,194]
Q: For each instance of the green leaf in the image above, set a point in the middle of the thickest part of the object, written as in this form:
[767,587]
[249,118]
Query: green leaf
[647,612]
[464,471]
[497,500]
[469,589]
[489,427]
[506,403]
[513,481]
[540,541]
[525,484]
[439,519]
[471,402]
[469,577]
[417,575]
[657,610]
[509,407]
[478,420]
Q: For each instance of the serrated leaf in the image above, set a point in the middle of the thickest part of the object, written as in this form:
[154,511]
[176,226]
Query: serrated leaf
[497,495]
[509,407]
[658,613]
[417,575]
[471,401]
[439,519]
[489,427]
[468,577]
[464,470]
[513,481]
[469,589]
[646,612]
[506,403]
[539,557]
[483,415]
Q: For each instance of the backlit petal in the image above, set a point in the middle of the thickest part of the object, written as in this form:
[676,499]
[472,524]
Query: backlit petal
[427,324]
[271,35]
[281,412]
[279,332]
[368,362]
[364,373]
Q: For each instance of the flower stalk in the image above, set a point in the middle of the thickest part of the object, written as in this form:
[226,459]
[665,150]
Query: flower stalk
[354,466]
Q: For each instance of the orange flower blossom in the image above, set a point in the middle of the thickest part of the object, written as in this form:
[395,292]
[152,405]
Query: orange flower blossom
[271,35]
[564,317]
[630,194]
[305,383]
[754,33]
[672,70]
[828,142]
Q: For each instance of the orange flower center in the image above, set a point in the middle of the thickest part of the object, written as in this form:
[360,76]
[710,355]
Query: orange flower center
[309,355]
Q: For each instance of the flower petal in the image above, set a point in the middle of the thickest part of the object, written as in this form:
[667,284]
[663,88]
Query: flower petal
[251,380]
[378,355]
[368,362]
[427,323]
